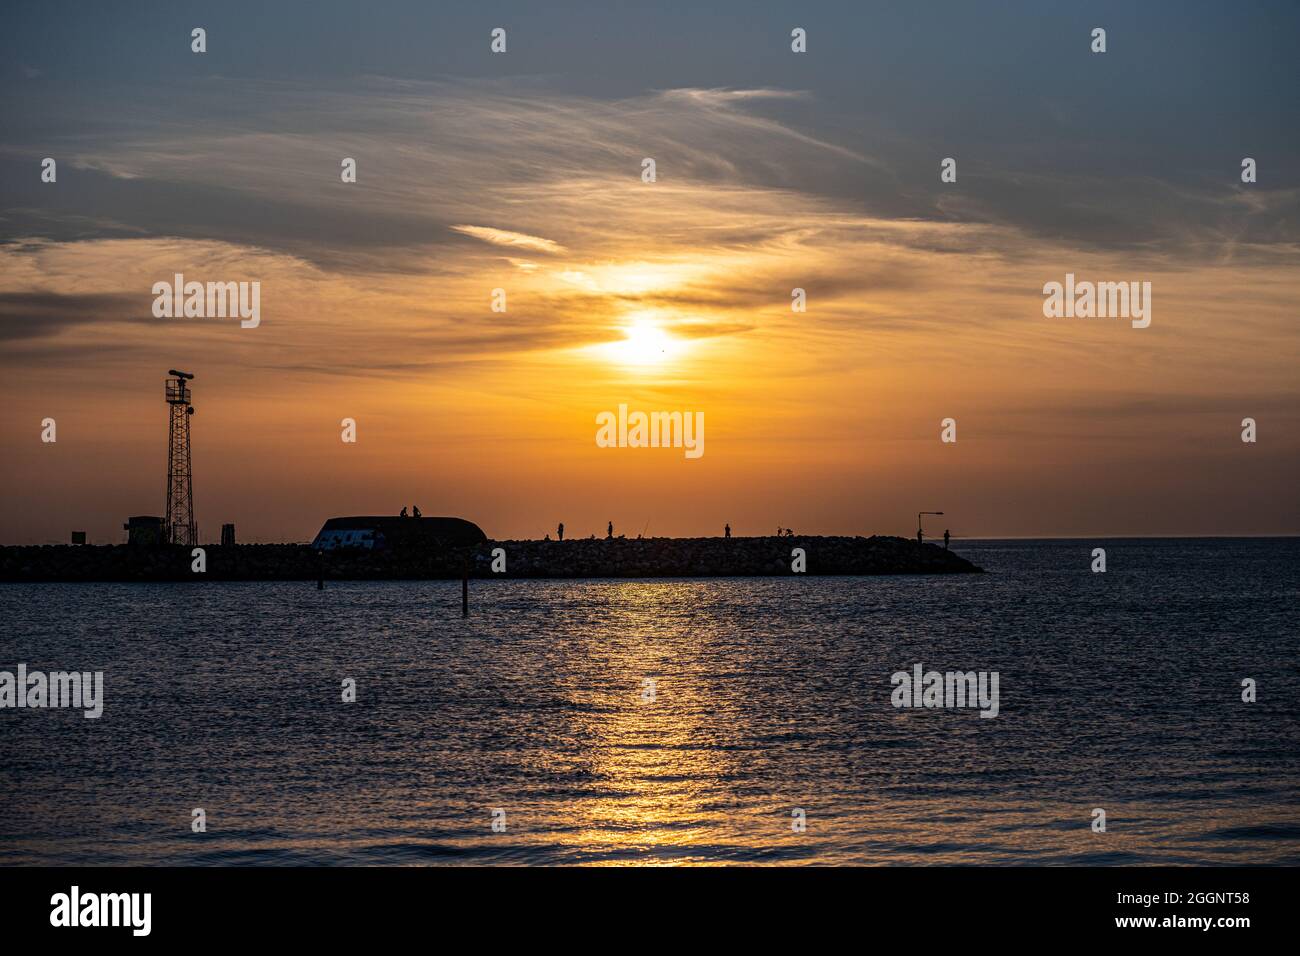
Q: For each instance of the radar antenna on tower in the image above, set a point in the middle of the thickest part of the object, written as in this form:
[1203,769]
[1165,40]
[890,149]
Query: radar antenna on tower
[178,526]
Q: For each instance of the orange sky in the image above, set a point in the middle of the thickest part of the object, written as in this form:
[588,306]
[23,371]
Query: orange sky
[666,296]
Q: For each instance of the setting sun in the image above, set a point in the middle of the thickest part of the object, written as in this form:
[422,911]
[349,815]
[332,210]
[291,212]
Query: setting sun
[645,343]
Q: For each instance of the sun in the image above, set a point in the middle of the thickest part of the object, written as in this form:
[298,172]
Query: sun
[644,344]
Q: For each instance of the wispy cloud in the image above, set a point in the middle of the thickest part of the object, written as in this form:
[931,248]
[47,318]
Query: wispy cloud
[740,215]
[513,240]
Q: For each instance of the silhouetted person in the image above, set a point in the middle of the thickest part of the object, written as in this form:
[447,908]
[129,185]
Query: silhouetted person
[779,529]
[726,531]
[609,532]
[920,536]
[789,532]
[415,511]
[945,539]
[402,513]
[560,530]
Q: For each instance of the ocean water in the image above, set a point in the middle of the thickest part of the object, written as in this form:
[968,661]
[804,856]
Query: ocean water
[1119,691]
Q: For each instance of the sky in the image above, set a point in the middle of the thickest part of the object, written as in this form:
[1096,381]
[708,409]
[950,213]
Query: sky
[775,170]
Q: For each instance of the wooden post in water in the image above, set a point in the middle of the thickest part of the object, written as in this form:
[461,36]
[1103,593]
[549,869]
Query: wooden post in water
[320,570]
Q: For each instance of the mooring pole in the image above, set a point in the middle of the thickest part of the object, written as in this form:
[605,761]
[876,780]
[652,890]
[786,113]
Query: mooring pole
[320,570]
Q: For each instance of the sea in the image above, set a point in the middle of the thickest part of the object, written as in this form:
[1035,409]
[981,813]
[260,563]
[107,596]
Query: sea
[1149,714]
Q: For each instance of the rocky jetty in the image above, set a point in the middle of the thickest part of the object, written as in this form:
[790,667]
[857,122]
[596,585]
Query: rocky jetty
[582,558]
[722,557]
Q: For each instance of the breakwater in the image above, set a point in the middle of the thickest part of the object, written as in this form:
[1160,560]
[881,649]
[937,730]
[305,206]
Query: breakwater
[582,558]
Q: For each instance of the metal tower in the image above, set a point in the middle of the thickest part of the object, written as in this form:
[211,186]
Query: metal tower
[178,526]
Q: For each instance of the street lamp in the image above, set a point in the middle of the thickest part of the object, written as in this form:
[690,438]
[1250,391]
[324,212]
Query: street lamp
[919,534]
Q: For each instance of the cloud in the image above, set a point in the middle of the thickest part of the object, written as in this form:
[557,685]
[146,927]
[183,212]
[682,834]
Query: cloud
[736,167]
[37,314]
[514,240]
[756,195]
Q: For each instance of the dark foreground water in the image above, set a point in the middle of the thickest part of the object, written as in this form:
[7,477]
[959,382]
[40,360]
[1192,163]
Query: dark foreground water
[1119,691]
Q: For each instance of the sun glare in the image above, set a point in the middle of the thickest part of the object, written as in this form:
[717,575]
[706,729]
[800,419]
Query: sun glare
[644,344]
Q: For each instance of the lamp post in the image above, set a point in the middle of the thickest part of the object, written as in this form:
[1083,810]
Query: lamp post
[919,534]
